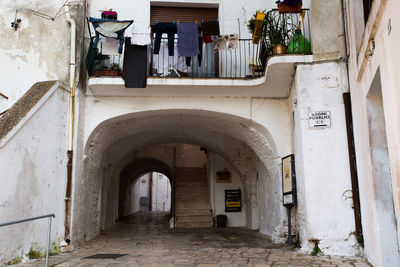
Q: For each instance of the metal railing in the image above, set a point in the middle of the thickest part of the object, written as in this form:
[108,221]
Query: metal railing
[292,30]
[50,216]
[230,63]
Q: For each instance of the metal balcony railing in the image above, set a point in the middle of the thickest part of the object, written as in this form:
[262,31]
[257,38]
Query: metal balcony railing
[246,60]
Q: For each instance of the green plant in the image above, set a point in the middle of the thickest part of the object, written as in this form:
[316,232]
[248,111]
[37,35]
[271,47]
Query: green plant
[100,60]
[15,261]
[34,254]
[316,250]
[278,29]
[115,66]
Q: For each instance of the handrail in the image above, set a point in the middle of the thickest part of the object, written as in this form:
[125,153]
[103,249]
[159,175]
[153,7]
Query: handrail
[50,216]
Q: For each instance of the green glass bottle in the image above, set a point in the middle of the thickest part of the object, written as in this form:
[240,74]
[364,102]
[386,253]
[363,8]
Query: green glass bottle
[299,44]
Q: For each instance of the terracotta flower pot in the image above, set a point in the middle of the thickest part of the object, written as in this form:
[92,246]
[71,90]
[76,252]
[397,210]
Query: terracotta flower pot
[111,73]
[285,8]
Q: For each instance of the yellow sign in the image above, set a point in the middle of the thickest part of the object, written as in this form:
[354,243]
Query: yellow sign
[287,174]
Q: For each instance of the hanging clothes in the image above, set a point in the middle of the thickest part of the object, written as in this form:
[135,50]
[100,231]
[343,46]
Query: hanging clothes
[200,56]
[170,30]
[162,62]
[210,28]
[233,41]
[188,39]
[140,35]
[110,28]
[208,39]
[91,57]
[109,46]
[135,65]
[220,43]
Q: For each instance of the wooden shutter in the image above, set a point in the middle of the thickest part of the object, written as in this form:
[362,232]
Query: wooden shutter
[182,14]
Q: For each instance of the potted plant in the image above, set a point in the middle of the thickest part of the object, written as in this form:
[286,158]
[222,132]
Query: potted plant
[278,30]
[109,14]
[289,6]
[114,70]
[100,63]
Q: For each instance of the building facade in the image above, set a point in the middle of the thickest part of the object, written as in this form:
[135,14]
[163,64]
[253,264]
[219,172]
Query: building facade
[76,147]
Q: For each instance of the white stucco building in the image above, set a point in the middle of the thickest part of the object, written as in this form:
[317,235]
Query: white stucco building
[77,147]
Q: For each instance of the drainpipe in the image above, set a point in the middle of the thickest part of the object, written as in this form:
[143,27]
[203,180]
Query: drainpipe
[68,193]
[350,135]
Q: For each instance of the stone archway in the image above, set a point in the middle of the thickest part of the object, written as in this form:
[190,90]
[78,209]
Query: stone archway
[247,145]
[132,172]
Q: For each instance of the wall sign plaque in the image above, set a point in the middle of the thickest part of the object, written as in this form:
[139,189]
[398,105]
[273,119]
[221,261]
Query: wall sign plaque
[319,119]
[233,201]
[288,181]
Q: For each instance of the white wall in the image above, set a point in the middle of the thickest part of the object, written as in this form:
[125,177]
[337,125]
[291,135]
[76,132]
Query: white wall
[33,165]
[138,190]
[217,191]
[382,28]
[322,165]
[161,196]
[161,193]
[37,51]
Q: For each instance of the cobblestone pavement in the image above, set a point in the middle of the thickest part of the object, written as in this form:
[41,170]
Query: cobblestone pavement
[147,241]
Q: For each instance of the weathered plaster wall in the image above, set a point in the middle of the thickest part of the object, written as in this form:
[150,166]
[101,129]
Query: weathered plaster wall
[382,27]
[322,167]
[217,191]
[327,29]
[33,177]
[38,50]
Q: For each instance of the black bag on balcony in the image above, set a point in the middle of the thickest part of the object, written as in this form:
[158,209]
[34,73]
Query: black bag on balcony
[135,65]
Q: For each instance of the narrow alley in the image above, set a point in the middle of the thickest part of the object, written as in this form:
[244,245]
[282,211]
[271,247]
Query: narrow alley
[144,239]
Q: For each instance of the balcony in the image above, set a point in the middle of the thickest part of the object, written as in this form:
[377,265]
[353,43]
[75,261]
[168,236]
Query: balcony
[237,71]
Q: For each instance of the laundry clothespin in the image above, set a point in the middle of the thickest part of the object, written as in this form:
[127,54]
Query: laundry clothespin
[202,21]
[156,21]
[173,22]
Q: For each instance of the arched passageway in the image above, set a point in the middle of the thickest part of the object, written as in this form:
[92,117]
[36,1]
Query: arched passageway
[129,141]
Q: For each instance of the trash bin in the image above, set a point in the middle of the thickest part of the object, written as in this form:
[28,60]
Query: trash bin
[222,220]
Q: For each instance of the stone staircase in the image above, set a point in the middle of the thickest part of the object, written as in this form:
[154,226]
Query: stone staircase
[192,198]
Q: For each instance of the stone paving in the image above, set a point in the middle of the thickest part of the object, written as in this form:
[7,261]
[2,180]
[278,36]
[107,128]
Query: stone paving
[147,241]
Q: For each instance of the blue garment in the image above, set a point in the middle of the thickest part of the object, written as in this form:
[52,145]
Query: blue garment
[188,39]
[110,28]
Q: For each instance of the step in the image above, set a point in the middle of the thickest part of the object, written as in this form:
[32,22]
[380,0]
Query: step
[192,212]
[193,225]
[191,198]
[194,218]
[193,205]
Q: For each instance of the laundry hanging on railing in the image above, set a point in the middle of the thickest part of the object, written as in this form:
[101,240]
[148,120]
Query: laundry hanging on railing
[135,65]
[170,30]
[227,42]
[188,39]
[140,34]
[109,46]
[111,29]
